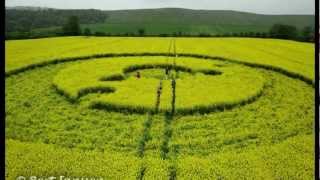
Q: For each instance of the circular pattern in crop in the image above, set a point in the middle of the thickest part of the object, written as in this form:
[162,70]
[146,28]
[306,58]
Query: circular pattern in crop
[201,85]
[228,116]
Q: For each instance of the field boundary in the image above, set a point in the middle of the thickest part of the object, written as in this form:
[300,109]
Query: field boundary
[198,56]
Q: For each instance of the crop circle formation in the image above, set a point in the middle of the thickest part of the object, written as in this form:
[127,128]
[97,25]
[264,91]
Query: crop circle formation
[200,84]
[123,105]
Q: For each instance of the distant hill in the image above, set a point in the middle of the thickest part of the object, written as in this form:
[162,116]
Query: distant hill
[169,20]
[28,18]
[154,21]
[31,8]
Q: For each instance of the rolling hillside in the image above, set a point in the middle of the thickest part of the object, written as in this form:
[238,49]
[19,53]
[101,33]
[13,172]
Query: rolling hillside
[154,21]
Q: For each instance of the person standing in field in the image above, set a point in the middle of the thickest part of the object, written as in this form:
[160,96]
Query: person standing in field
[138,75]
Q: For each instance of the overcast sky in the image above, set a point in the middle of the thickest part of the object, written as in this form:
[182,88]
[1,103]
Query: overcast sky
[256,6]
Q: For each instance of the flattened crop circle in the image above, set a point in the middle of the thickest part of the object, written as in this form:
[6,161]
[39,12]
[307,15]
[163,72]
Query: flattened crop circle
[35,112]
[130,84]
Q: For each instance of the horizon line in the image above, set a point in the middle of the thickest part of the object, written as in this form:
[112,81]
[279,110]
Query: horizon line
[43,7]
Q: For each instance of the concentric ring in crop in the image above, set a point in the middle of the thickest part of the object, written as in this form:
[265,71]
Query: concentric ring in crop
[50,119]
[201,84]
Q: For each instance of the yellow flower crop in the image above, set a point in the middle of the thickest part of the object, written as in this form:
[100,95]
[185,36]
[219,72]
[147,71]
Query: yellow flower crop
[230,108]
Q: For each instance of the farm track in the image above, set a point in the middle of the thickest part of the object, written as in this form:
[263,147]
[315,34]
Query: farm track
[169,117]
[167,135]
[164,148]
[146,132]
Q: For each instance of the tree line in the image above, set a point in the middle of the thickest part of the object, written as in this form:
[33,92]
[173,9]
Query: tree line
[279,31]
[26,20]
